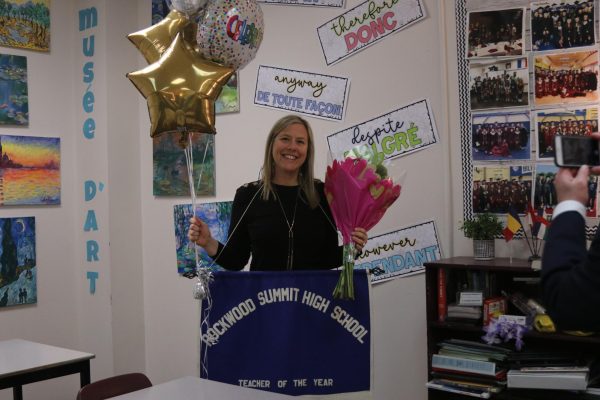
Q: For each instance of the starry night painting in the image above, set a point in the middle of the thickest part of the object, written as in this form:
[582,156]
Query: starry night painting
[29,170]
[14,101]
[18,271]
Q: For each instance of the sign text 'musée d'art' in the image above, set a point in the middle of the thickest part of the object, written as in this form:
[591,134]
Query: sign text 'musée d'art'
[391,135]
[366,24]
[322,96]
[400,253]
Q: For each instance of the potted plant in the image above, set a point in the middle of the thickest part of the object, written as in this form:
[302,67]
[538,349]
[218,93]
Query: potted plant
[483,229]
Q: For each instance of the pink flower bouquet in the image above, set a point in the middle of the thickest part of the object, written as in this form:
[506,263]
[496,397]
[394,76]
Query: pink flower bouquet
[358,197]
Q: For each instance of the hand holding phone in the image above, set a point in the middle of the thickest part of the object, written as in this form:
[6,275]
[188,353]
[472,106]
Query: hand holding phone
[575,151]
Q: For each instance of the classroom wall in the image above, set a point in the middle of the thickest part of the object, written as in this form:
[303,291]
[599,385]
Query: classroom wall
[143,315]
[402,68]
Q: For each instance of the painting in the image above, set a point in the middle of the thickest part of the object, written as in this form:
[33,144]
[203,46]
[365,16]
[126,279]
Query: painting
[170,165]
[14,103]
[25,24]
[18,270]
[29,170]
[217,215]
[229,99]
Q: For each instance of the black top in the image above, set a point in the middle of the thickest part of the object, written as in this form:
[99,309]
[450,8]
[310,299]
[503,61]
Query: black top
[571,274]
[263,231]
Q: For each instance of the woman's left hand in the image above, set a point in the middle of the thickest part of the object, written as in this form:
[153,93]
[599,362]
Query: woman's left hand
[359,237]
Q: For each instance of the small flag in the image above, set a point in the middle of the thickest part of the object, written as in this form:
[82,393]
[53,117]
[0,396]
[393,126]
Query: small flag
[544,223]
[533,219]
[513,224]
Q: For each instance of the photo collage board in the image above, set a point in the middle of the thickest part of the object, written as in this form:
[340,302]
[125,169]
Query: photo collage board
[528,71]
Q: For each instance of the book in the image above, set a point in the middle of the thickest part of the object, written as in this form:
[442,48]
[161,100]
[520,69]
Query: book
[443,362]
[441,286]
[473,378]
[569,380]
[482,394]
[463,311]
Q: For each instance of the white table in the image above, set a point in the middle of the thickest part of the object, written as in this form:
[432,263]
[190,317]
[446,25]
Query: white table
[23,362]
[192,388]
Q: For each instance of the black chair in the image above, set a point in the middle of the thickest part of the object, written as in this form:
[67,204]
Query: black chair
[114,386]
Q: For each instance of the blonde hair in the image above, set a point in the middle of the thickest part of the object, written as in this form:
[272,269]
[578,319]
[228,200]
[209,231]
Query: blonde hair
[306,175]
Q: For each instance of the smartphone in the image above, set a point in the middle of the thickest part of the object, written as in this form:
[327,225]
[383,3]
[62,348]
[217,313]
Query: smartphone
[575,151]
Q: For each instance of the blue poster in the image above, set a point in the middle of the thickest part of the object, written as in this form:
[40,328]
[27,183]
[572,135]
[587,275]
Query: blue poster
[283,332]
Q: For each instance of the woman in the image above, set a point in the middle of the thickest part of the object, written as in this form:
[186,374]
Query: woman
[282,220]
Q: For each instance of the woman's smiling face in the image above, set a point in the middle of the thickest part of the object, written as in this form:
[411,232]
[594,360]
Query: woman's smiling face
[289,151]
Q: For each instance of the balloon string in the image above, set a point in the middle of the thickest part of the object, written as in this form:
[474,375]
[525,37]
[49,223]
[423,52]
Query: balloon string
[202,274]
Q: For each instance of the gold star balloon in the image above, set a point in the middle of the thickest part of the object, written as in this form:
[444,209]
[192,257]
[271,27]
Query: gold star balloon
[153,41]
[181,89]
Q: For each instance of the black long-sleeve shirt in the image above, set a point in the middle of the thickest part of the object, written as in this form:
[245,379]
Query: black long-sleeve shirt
[259,229]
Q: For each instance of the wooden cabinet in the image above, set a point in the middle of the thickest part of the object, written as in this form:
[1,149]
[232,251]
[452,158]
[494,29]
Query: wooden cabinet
[493,277]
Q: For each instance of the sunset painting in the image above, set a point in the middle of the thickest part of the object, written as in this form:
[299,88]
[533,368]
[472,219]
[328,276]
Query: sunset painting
[29,170]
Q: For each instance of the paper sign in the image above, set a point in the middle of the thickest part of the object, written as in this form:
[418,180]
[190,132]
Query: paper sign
[394,134]
[366,24]
[318,95]
[314,3]
[400,253]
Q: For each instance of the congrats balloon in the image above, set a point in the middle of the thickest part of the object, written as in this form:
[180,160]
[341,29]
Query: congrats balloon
[188,7]
[230,32]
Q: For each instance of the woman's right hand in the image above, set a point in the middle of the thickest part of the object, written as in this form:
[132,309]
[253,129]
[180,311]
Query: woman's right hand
[199,234]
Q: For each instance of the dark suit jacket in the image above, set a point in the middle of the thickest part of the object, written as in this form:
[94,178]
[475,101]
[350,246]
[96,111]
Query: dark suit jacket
[571,274]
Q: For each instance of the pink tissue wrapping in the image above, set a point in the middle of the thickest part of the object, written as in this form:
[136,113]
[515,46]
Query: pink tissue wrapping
[357,196]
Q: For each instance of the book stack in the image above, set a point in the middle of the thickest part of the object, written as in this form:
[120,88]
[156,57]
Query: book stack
[470,368]
[548,370]
[458,312]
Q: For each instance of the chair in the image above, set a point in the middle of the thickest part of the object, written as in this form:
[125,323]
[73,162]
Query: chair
[114,386]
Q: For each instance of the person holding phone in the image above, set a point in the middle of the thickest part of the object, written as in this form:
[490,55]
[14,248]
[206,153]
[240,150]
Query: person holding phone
[282,221]
[571,272]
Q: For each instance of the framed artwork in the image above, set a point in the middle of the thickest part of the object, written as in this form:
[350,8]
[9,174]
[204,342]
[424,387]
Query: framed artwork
[217,215]
[562,24]
[496,33]
[170,166]
[29,170]
[566,77]
[18,271]
[14,101]
[501,136]
[25,24]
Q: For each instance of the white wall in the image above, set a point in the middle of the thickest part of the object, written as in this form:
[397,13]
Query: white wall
[154,320]
[399,70]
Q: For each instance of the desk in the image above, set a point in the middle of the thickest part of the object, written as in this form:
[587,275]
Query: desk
[192,388]
[23,362]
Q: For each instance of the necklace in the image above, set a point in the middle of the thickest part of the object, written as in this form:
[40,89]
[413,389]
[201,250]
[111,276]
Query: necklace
[290,257]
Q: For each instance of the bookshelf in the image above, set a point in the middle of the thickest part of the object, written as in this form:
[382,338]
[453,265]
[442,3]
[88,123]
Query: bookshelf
[494,276]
